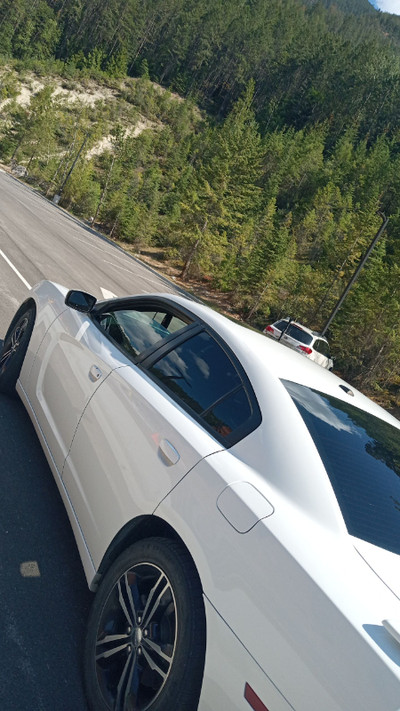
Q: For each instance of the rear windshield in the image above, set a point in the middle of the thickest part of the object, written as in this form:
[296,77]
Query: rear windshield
[280,325]
[361,455]
[299,334]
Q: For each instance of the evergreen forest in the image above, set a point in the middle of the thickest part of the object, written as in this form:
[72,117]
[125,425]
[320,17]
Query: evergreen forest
[254,143]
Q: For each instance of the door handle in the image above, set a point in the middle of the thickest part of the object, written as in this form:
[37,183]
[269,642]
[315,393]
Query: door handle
[168,452]
[95,373]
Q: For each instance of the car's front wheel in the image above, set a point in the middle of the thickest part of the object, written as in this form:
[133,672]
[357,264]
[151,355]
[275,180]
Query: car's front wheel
[145,644]
[14,348]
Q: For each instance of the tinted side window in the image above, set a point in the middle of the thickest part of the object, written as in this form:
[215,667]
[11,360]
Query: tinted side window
[321,347]
[203,377]
[136,330]
[171,323]
[230,413]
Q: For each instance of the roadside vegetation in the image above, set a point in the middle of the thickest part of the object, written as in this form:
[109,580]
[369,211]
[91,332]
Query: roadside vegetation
[252,145]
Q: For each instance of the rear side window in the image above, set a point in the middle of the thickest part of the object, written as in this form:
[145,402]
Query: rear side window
[321,347]
[199,373]
[361,455]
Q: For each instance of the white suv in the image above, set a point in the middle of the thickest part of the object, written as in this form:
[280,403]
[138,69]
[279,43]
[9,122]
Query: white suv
[301,339]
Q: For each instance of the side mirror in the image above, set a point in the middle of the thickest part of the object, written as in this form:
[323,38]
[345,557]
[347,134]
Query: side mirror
[80,301]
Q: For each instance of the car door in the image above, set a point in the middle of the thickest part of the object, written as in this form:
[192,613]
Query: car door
[78,353]
[146,426]
[72,361]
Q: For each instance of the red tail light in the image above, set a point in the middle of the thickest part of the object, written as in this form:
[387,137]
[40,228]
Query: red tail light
[269,329]
[306,349]
[254,701]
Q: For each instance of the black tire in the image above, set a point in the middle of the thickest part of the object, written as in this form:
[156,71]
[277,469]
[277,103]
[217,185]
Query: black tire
[14,348]
[145,643]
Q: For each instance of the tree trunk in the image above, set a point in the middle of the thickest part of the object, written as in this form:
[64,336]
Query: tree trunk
[114,226]
[256,303]
[18,146]
[189,260]
[33,155]
[192,252]
[103,194]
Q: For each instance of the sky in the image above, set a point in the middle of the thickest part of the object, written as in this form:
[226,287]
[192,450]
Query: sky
[392,6]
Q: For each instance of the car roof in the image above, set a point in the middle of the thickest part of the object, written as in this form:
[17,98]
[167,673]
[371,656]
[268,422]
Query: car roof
[265,359]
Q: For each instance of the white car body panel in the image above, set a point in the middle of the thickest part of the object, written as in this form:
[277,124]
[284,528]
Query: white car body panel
[311,636]
[224,674]
[49,300]
[294,605]
[125,429]
[74,347]
[385,564]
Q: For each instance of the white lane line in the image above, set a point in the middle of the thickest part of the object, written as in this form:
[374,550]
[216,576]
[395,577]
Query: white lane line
[10,264]
[118,266]
[120,256]
[108,248]
[151,280]
[107,294]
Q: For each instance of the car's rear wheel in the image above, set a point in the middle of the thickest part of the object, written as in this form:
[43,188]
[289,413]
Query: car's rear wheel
[145,644]
[14,349]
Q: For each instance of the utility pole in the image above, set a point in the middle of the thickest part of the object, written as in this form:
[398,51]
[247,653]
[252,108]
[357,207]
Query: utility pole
[354,278]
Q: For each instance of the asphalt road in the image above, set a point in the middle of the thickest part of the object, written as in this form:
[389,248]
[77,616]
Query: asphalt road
[44,600]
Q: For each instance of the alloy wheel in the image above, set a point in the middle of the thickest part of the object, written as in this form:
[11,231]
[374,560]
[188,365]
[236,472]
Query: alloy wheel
[13,342]
[136,639]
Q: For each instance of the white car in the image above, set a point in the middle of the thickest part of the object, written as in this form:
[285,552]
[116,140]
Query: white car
[236,507]
[301,339]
